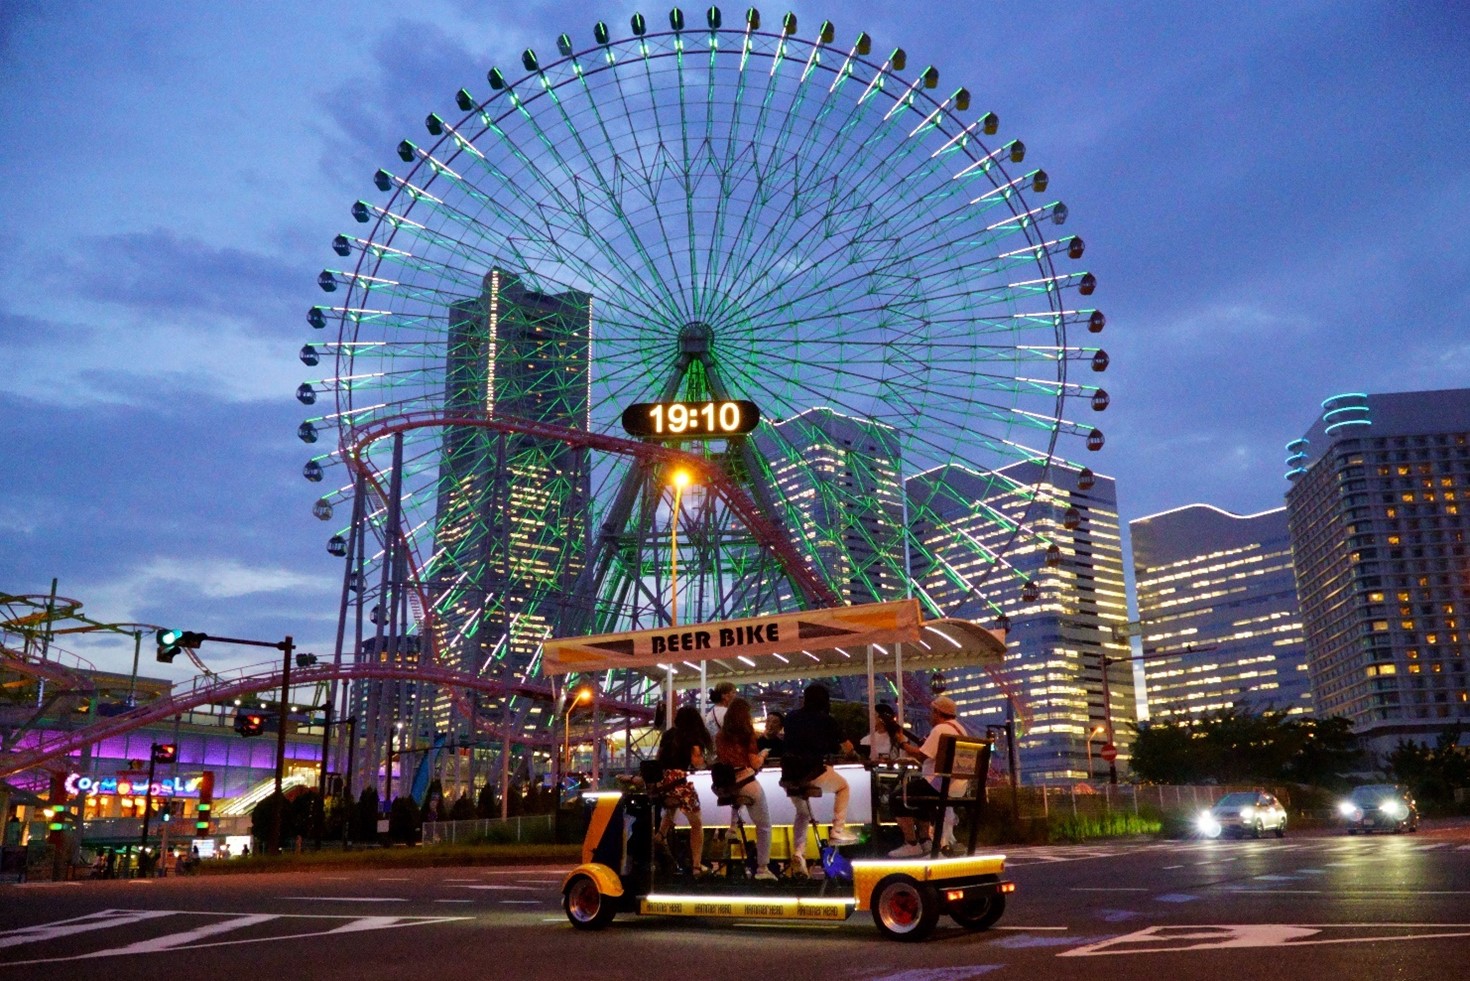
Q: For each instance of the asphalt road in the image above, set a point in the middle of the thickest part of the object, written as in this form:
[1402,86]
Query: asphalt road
[1321,906]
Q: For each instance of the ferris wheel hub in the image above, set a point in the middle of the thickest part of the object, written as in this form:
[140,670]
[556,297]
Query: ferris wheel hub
[695,338]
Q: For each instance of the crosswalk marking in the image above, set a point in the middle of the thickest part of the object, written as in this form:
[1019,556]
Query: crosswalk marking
[186,937]
[100,920]
[192,937]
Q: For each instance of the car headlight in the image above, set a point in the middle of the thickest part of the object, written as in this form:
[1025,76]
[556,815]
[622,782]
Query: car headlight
[1394,808]
[1207,823]
[1247,812]
[1347,809]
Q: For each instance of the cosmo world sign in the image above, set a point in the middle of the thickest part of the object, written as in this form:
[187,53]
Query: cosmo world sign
[132,784]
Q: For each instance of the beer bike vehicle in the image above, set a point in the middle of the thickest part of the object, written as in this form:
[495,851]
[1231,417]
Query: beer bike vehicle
[623,871]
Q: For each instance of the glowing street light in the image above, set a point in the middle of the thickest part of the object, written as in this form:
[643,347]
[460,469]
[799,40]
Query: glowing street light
[582,695]
[1097,730]
[680,480]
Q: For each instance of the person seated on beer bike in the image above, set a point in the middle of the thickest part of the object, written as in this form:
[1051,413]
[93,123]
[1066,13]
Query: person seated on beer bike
[772,741]
[681,751]
[735,748]
[881,745]
[914,806]
[812,735]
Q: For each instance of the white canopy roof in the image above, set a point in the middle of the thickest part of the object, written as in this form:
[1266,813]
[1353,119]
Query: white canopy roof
[785,647]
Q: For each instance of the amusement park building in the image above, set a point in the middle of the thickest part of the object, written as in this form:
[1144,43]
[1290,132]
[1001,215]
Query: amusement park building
[109,776]
[1218,613]
[1053,683]
[1379,518]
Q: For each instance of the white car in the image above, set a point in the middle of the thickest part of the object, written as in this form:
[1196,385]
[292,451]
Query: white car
[1248,812]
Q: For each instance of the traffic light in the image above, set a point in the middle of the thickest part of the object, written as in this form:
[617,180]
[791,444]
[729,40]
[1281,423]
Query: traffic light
[165,752]
[170,642]
[249,723]
[206,803]
[58,817]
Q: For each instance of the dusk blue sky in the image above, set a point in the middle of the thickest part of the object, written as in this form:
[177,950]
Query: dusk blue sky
[1274,197]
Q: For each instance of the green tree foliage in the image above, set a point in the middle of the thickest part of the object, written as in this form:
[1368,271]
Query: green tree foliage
[487,805]
[1432,774]
[365,818]
[1235,747]
[403,820]
[463,809]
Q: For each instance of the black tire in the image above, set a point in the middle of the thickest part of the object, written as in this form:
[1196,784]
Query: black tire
[585,905]
[1256,831]
[904,909]
[981,913]
[1352,831]
[1281,829]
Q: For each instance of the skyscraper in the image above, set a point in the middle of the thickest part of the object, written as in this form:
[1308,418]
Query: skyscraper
[1217,592]
[511,531]
[1054,680]
[838,479]
[1378,526]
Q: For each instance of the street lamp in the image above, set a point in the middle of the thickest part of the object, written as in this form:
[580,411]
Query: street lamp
[582,695]
[1097,730]
[680,480]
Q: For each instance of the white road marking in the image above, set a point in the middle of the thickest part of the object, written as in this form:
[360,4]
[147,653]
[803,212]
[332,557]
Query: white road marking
[92,921]
[1164,939]
[1031,928]
[520,902]
[1169,867]
[348,899]
[504,888]
[187,937]
[185,940]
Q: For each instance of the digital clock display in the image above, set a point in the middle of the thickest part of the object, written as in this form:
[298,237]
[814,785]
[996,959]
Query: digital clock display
[691,420]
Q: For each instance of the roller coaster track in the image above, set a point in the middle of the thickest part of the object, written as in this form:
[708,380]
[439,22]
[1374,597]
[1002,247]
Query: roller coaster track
[217,689]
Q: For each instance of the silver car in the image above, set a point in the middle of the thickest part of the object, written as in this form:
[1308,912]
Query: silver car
[1247,812]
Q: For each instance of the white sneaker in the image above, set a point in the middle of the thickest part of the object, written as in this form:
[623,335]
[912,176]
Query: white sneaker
[797,869]
[907,851]
[765,875]
[841,836]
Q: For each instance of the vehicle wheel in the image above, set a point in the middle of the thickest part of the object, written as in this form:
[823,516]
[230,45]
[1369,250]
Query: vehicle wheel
[1281,829]
[1352,831]
[904,909]
[1398,829]
[585,905]
[1256,831]
[979,914]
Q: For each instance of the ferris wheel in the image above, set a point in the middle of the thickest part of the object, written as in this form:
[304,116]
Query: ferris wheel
[823,280]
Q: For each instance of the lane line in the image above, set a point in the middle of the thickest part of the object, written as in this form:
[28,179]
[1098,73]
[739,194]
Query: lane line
[349,899]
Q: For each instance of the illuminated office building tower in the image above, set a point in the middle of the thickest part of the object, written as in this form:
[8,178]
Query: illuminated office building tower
[1218,614]
[1053,681]
[511,532]
[1378,516]
[838,479]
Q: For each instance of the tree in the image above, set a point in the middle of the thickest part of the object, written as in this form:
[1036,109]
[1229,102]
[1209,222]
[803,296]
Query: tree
[1236,747]
[1432,774]
[463,809]
[1327,750]
[403,820]
[487,805]
[365,819]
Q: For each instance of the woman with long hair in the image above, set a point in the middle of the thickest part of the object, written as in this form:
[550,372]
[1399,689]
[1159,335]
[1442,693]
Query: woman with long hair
[682,750]
[735,744]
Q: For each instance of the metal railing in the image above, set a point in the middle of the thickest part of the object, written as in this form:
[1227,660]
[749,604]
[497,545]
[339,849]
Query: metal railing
[530,829]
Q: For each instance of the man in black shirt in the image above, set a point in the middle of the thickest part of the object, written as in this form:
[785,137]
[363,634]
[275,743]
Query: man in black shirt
[812,735]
